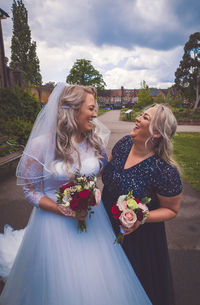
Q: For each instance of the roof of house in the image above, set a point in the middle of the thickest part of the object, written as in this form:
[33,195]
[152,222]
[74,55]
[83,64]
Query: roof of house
[154,92]
[3,14]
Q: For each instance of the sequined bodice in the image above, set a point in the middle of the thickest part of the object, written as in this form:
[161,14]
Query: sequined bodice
[152,175]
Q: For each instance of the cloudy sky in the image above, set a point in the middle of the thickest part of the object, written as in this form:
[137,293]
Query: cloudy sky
[128,41]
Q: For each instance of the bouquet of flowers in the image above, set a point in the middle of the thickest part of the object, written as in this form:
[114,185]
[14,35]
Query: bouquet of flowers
[128,210]
[80,194]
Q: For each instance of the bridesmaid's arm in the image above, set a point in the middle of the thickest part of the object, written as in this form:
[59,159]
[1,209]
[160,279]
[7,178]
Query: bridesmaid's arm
[169,207]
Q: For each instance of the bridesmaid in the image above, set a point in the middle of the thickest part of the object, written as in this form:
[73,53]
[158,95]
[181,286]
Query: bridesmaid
[142,162]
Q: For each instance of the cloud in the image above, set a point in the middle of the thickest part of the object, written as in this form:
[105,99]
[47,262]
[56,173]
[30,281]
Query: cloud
[126,40]
[119,66]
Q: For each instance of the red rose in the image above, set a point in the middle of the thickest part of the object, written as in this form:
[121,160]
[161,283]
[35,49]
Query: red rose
[66,186]
[138,201]
[84,194]
[74,204]
[140,215]
[116,212]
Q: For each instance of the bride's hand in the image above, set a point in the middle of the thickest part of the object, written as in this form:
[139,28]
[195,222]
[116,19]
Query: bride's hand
[66,211]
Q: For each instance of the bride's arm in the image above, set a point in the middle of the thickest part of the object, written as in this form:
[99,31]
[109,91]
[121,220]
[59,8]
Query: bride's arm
[49,205]
[34,194]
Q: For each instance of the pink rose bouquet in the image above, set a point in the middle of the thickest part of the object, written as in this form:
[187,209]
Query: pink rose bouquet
[78,195]
[128,210]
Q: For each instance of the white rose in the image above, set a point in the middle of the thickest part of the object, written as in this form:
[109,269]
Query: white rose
[120,202]
[91,184]
[66,203]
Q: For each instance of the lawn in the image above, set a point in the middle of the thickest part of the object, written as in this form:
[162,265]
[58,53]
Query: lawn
[187,154]
[101,111]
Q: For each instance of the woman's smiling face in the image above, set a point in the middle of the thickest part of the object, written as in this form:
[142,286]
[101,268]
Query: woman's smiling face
[87,114]
[141,130]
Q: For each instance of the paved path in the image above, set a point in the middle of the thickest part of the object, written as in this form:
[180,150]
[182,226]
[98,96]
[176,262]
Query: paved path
[182,232]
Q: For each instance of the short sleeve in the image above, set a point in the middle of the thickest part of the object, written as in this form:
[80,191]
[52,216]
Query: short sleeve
[168,182]
[121,146]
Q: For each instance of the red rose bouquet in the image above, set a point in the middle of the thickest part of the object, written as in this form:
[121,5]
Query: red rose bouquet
[128,210]
[80,194]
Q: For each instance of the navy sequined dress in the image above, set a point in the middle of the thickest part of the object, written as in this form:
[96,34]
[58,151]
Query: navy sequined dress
[146,248]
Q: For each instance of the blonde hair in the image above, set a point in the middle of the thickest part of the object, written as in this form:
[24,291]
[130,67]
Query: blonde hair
[69,107]
[163,122]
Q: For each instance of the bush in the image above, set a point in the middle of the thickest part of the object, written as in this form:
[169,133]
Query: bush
[16,103]
[186,114]
[17,130]
[18,110]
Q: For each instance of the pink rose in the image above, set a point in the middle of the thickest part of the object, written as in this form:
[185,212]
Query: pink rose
[143,207]
[124,203]
[97,195]
[128,218]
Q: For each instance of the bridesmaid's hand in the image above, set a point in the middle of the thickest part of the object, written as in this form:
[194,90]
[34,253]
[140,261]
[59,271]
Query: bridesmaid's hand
[132,229]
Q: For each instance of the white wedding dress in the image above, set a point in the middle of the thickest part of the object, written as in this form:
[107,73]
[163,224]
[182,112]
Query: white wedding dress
[57,265]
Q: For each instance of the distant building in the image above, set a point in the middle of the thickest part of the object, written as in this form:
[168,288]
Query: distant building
[42,93]
[158,92]
[128,97]
[118,97]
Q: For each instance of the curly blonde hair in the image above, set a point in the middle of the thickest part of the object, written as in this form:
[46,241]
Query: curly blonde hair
[69,106]
[164,122]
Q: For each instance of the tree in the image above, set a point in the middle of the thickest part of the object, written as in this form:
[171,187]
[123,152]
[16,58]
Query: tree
[23,51]
[187,75]
[144,99]
[83,73]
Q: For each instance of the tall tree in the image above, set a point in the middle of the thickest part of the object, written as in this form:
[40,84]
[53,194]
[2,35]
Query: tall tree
[144,98]
[23,51]
[83,73]
[187,75]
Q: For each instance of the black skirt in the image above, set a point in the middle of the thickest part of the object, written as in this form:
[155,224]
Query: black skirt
[147,251]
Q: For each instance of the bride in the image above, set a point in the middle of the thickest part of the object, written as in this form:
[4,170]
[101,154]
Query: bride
[56,265]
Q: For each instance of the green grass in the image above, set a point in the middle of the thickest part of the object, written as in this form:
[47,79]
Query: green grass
[101,111]
[184,115]
[187,154]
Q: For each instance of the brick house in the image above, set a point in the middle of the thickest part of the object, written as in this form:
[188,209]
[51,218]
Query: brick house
[118,97]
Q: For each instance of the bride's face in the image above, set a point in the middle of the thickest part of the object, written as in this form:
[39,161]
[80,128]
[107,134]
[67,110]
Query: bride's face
[87,113]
